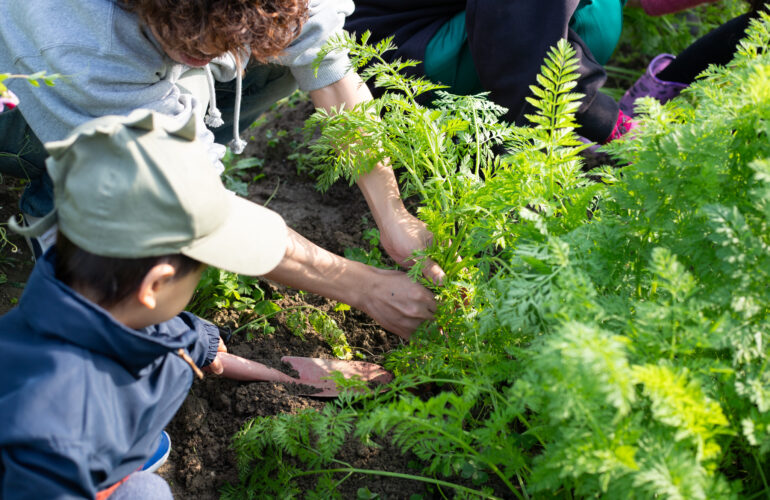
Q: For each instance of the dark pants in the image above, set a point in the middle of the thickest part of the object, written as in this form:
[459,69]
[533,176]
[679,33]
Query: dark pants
[22,155]
[263,85]
[508,40]
[715,47]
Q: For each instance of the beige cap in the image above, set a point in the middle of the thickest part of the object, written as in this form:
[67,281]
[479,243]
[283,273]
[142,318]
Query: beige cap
[141,185]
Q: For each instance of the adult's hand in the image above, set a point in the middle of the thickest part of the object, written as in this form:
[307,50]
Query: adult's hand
[390,297]
[396,302]
[401,234]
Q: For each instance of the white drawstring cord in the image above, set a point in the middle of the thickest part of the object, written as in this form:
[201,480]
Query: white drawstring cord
[214,116]
[237,145]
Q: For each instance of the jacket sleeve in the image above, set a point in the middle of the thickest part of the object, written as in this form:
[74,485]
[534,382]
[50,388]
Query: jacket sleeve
[326,18]
[204,349]
[509,41]
[33,473]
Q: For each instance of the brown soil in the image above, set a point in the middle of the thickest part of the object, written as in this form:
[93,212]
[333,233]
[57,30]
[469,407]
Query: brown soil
[15,257]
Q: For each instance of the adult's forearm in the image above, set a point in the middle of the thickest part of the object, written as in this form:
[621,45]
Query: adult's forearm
[379,186]
[401,232]
[306,266]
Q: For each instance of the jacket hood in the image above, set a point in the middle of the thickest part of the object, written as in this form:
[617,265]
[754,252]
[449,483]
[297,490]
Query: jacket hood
[73,319]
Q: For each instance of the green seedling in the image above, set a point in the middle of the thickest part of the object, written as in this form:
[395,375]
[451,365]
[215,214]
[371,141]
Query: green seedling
[372,256]
[233,175]
[219,289]
[34,79]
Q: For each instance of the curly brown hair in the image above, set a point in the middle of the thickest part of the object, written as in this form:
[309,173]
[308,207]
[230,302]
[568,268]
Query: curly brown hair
[205,28]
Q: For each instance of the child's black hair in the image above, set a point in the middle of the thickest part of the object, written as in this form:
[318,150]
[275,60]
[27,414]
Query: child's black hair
[110,280]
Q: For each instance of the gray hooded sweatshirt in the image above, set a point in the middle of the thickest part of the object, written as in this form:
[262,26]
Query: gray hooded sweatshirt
[113,65]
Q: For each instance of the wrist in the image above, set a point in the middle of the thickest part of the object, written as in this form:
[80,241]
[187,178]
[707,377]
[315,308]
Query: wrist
[382,195]
[354,285]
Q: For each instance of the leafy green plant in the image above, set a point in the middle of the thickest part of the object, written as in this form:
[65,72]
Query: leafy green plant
[219,289]
[298,319]
[235,170]
[446,158]
[372,256]
[325,326]
[600,339]
[274,137]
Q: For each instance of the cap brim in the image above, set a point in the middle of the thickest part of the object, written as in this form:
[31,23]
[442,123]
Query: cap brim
[252,241]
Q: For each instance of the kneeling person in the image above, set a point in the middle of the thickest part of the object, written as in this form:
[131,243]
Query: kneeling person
[98,354]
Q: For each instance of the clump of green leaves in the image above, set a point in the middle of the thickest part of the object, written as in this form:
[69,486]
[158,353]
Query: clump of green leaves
[219,289]
[233,175]
[298,321]
[611,339]
[371,256]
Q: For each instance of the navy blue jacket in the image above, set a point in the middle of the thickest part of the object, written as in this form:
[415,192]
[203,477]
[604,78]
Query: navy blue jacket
[83,398]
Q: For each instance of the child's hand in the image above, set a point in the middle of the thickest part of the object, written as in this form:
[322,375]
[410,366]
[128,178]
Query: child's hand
[216,366]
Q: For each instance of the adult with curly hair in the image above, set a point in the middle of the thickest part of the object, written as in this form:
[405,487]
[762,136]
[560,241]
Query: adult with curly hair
[186,57]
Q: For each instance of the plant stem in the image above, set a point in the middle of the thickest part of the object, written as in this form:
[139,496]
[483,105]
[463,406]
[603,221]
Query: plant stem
[469,449]
[437,482]
[478,144]
[761,474]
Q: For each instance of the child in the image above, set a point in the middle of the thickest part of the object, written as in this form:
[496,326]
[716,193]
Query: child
[98,354]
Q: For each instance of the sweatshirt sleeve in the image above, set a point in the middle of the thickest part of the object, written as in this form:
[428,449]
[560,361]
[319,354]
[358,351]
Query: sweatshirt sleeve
[661,7]
[204,349]
[326,18]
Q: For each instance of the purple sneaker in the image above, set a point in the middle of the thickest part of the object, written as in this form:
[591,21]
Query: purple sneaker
[650,85]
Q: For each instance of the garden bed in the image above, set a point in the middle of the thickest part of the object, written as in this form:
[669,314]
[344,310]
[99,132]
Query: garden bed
[597,339]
